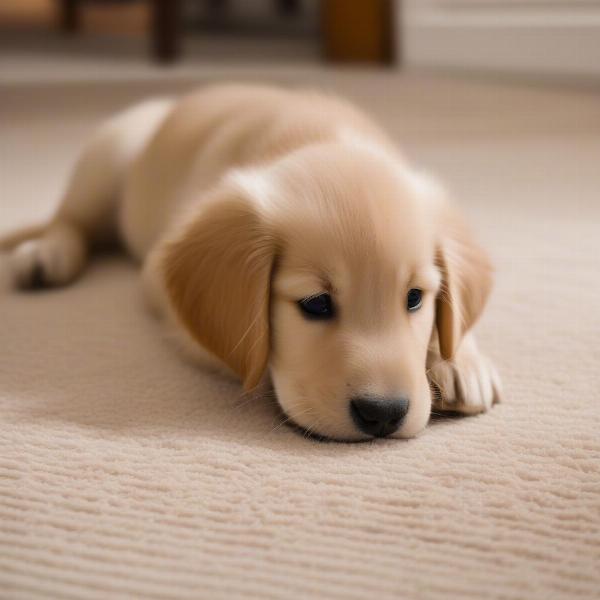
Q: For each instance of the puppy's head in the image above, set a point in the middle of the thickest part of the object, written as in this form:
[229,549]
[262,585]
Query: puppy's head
[331,270]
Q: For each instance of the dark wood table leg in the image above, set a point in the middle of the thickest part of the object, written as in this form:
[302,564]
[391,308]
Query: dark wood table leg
[288,8]
[69,16]
[358,31]
[166,30]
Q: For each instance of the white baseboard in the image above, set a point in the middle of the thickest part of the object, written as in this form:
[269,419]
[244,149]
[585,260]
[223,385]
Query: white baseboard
[542,37]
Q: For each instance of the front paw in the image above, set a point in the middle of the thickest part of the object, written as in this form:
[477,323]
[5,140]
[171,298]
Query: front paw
[469,384]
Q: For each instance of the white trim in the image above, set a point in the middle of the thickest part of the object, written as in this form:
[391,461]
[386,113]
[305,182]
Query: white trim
[545,37]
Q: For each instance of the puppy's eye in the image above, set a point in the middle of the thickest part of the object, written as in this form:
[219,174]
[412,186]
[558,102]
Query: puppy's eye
[414,299]
[317,307]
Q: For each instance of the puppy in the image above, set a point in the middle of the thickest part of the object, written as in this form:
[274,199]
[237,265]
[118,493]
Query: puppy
[286,239]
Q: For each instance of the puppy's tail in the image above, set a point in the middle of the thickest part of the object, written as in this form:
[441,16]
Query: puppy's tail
[10,241]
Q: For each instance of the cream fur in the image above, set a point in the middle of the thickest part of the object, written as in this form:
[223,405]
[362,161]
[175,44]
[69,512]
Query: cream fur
[240,201]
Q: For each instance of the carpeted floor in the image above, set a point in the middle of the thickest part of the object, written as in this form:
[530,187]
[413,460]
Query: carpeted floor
[127,473]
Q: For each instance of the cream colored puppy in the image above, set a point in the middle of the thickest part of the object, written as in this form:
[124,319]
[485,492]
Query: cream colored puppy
[287,239]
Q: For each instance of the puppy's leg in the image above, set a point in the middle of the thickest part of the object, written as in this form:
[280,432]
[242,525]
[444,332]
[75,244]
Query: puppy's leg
[56,254]
[55,257]
[468,384]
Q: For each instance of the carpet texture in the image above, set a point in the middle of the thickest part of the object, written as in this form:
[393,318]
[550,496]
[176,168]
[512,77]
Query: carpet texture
[126,472]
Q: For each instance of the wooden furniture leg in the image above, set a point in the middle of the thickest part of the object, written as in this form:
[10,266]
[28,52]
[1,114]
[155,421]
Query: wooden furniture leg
[287,7]
[166,30]
[69,16]
[358,30]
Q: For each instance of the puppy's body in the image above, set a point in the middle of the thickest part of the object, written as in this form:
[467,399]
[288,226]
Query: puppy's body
[242,202]
[201,138]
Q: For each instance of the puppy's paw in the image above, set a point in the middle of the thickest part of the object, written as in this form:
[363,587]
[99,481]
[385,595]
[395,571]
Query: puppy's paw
[469,384]
[54,259]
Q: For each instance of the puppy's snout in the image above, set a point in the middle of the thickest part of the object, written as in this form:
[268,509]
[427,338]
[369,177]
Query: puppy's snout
[378,415]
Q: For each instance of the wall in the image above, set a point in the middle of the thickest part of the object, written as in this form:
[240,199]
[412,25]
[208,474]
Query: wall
[543,37]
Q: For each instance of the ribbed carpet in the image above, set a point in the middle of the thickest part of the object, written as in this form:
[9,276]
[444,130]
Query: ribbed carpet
[127,473]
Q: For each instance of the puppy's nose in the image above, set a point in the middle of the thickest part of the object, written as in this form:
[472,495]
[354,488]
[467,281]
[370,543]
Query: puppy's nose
[378,415]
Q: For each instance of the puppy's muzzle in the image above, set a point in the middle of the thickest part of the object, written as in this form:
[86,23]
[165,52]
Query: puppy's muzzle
[378,416]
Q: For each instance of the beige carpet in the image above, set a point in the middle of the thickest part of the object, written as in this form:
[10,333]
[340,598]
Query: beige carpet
[127,473]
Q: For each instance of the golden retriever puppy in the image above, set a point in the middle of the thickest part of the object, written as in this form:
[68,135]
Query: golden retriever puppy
[286,239]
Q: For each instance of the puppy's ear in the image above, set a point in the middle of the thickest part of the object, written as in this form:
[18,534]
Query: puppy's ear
[466,282]
[217,275]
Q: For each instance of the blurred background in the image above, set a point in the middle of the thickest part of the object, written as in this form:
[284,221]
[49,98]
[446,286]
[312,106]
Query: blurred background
[82,38]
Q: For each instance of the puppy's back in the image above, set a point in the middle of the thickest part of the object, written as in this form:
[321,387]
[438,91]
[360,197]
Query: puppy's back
[218,128]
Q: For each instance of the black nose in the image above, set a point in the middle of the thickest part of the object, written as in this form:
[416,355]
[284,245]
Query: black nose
[378,415]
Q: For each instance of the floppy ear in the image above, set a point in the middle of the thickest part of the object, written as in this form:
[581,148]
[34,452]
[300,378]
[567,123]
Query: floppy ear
[466,283]
[217,275]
